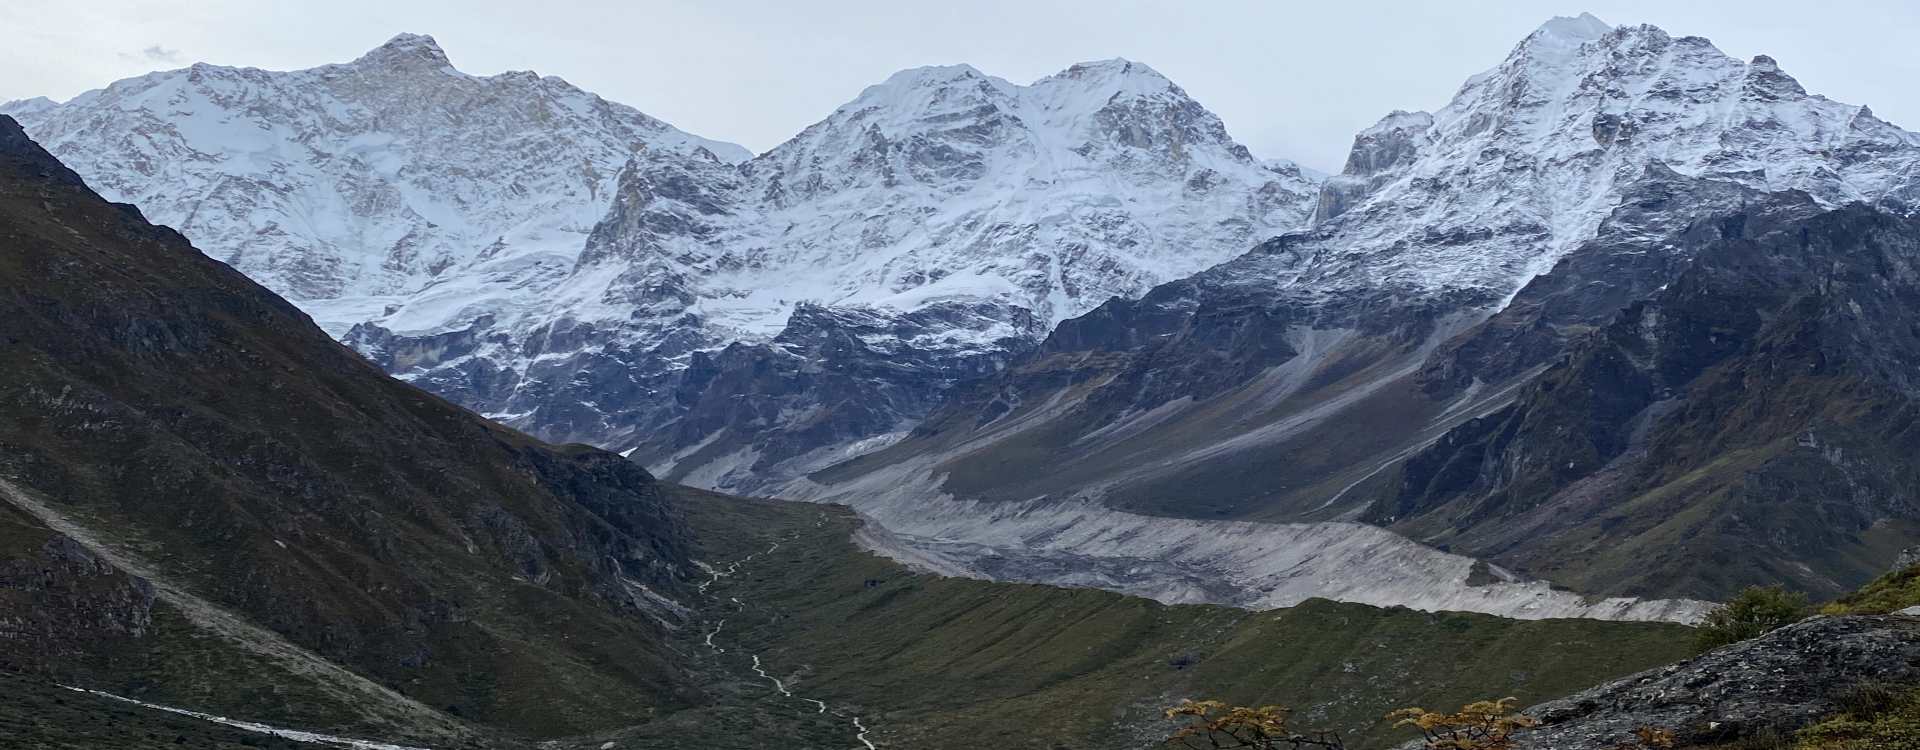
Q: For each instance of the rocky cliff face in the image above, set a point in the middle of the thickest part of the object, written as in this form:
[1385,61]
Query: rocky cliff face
[1689,445]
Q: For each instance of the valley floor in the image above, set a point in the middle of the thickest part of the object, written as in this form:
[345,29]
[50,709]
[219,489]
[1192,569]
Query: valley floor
[800,639]
[931,662]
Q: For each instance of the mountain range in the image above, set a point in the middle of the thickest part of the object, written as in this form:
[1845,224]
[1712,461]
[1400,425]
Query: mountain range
[1459,256]
[1058,332]
[1623,330]
[221,528]
[577,269]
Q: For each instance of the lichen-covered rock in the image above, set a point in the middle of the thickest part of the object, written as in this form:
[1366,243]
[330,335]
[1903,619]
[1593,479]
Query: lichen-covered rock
[1781,681]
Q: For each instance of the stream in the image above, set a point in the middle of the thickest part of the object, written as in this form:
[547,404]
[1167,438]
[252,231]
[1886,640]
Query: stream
[779,686]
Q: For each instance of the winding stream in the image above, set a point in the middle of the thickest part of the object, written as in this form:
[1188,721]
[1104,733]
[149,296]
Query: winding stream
[779,686]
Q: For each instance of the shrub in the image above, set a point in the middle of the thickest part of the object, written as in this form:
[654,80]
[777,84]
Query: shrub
[1752,613]
[1212,724]
[1485,725]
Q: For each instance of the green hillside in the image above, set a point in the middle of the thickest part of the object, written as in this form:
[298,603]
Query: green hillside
[933,662]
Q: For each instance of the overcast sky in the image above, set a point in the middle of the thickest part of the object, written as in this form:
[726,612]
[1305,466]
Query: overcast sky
[1292,79]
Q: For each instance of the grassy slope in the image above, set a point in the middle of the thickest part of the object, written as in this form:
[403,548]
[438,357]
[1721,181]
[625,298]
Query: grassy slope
[948,663]
[928,662]
[1886,718]
[1897,590]
[215,439]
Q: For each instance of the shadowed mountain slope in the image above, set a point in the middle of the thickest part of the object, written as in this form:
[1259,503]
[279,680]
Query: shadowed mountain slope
[193,471]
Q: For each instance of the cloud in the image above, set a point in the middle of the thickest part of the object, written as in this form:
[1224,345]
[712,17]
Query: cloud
[153,53]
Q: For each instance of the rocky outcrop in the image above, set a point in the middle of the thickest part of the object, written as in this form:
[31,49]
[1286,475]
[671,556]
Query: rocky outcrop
[1776,683]
[59,602]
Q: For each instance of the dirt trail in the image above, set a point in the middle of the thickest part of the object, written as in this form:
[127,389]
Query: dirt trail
[382,704]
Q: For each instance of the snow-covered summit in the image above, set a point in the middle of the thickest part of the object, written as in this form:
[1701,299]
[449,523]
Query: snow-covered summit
[964,212]
[1575,29]
[26,107]
[405,49]
[944,218]
[1097,182]
[1528,157]
[345,183]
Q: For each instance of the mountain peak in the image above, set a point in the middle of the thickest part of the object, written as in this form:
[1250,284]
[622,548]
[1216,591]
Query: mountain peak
[406,49]
[919,84]
[1581,28]
[1110,66]
[917,92]
[1116,75]
[31,104]
[1765,80]
[934,75]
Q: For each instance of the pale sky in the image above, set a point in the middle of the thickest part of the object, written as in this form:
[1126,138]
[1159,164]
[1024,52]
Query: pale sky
[1291,79]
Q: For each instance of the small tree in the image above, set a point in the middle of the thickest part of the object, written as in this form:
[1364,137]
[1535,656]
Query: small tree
[1485,725]
[1212,724]
[1750,614]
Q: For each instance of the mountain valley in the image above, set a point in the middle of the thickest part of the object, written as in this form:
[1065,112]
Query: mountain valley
[380,405]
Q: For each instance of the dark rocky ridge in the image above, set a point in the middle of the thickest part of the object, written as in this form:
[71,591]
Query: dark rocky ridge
[1747,423]
[1664,217]
[189,417]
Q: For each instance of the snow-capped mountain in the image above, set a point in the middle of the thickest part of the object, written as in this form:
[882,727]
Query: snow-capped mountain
[1061,268]
[735,324]
[1528,158]
[577,269]
[1458,254]
[347,187]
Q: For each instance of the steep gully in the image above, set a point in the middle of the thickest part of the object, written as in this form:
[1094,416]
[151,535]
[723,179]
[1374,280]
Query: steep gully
[779,686]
